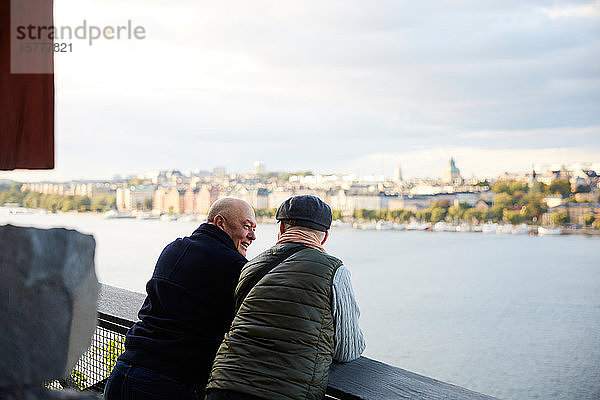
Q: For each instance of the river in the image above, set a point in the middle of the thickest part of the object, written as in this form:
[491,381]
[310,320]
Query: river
[516,317]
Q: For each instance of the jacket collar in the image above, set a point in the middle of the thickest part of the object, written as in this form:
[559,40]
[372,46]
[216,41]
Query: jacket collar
[215,232]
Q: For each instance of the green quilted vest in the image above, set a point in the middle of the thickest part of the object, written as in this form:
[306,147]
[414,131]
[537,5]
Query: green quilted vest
[280,344]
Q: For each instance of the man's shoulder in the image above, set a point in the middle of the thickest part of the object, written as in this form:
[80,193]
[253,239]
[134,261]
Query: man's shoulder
[294,251]
[211,245]
[203,245]
[212,234]
[314,253]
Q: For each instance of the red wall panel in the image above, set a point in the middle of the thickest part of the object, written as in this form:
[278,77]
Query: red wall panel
[26,100]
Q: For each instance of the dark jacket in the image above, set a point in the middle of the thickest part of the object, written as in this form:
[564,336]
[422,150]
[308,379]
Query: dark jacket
[189,307]
[280,344]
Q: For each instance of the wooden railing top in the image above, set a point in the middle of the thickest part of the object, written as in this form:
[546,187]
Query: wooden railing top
[360,379]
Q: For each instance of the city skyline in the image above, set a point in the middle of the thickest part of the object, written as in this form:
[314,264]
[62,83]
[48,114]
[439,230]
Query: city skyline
[387,166]
[262,169]
[348,87]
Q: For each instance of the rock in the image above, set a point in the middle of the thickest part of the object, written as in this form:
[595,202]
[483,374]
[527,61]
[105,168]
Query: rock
[48,294]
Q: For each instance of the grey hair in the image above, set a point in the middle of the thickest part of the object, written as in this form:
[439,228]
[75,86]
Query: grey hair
[289,223]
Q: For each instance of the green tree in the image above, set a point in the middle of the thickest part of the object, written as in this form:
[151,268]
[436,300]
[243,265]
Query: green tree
[512,216]
[496,212]
[360,213]
[32,200]
[478,215]
[337,214]
[503,200]
[438,214]
[583,189]
[402,215]
[445,204]
[589,219]
[559,218]
[501,187]
[517,196]
[67,205]
[369,214]
[84,203]
[102,203]
[455,213]
[13,195]
[383,214]
[560,186]
[424,215]
[540,187]
[135,181]
[518,187]
[265,213]
[51,202]
[406,215]
[533,205]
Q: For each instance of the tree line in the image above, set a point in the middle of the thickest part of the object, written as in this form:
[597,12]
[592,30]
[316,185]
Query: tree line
[515,202]
[55,202]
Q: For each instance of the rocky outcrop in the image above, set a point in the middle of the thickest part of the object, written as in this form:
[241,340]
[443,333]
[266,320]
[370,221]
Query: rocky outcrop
[48,295]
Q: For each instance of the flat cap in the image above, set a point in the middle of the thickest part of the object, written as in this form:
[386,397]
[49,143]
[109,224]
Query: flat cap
[307,211]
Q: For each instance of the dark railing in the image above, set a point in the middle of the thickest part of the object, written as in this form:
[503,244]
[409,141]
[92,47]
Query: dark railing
[360,379]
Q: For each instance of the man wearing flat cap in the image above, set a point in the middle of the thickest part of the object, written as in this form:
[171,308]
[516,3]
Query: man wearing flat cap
[296,312]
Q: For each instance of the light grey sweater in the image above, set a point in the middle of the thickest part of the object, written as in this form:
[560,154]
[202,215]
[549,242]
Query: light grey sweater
[349,342]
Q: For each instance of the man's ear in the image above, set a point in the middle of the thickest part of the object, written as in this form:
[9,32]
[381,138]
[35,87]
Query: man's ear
[325,238]
[281,227]
[219,221]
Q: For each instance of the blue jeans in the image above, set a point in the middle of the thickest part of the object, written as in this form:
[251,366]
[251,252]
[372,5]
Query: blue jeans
[127,382]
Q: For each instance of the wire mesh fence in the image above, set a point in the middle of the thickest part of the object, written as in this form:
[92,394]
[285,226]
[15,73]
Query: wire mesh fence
[94,366]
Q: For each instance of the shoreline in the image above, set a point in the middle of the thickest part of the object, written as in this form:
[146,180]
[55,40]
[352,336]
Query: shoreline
[499,229]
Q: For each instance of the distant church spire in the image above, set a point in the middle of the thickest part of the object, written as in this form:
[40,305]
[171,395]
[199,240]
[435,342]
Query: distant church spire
[452,174]
[398,173]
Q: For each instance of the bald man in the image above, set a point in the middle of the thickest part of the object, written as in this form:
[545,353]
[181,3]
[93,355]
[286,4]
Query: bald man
[189,307]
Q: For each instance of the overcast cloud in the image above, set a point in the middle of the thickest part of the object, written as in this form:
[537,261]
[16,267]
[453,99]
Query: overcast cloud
[350,86]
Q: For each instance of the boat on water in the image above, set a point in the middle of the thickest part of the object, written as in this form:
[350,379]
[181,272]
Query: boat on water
[504,229]
[521,229]
[168,218]
[383,226]
[14,210]
[114,214]
[489,227]
[477,228]
[366,226]
[441,227]
[146,217]
[464,227]
[549,231]
[417,226]
[341,224]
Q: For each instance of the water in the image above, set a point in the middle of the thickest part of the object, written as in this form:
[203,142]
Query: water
[515,317]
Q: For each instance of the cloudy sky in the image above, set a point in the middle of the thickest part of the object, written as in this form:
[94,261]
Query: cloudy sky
[354,86]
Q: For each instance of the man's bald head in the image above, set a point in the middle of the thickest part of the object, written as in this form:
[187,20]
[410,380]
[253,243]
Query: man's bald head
[236,218]
[227,207]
